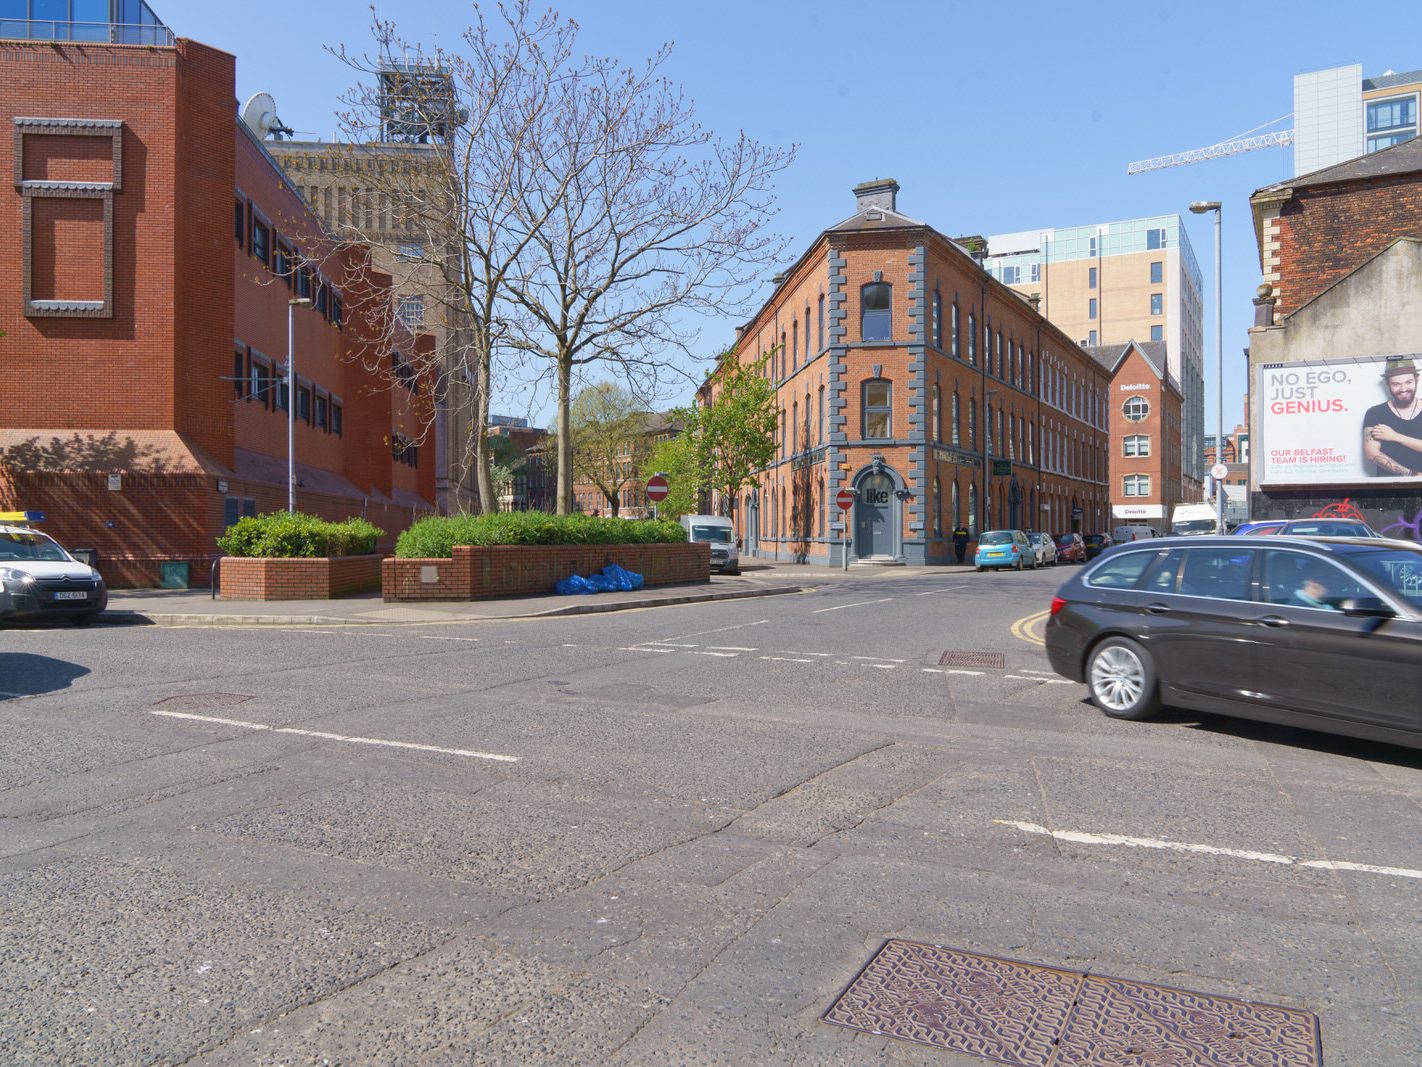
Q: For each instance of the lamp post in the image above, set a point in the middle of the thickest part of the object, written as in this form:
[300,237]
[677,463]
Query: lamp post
[1200,207]
[291,306]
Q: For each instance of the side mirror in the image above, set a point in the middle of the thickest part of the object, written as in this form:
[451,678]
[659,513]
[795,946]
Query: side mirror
[1365,607]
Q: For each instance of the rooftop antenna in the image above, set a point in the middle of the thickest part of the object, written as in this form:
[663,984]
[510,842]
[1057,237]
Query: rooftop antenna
[260,117]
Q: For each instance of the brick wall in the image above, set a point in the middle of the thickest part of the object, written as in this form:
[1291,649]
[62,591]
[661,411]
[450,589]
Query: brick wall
[483,572]
[1325,232]
[297,579]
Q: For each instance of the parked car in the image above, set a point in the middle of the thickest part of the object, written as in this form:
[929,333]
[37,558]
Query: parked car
[718,532]
[1325,634]
[1096,544]
[1044,549]
[40,580]
[1071,548]
[1307,528]
[1004,548]
[1134,532]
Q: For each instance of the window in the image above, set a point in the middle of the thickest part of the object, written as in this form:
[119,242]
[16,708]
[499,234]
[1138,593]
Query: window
[258,378]
[1122,570]
[411,250]
[874,315]
[1011,275]
[303,404]
[795,427]
[1391,121]
[240,231]
[937,506]
[322,406]
[877,409]
[1091,246]
[973,508]
[953,328]
[1155,238]
[281,395]
[807,333]
[1220,573]
[794,344]
[1091,309]
[937,320]
[338,310]
[282,265]
[1157,303]
[1091,279]
[1012,361]
[999,353]
[303,282]
[1157,333]
[323,299]
[953,416]
[820,325]
[1157,272]
[239,373]
[1036,272]
[937,413]
[1091,338]
[1302,581]
[261,240]
[412,312]
[1136,445]
[972,422]
[1136,408]
[820,413]
[972,339]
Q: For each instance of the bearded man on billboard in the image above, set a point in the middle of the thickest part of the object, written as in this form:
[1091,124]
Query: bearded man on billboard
[1392,431]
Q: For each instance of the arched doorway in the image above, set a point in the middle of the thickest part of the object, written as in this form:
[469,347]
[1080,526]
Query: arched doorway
[878,520]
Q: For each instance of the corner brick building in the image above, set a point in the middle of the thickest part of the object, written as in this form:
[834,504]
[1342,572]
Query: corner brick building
[906,372]
[150,247]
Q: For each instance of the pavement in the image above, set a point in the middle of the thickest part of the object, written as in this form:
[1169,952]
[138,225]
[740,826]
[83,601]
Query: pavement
[197,607]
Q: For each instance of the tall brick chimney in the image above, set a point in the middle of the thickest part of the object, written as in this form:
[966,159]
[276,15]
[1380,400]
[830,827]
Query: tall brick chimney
[880,193]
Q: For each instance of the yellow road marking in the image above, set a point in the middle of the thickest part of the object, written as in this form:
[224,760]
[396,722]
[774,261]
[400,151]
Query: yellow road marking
[1029,628]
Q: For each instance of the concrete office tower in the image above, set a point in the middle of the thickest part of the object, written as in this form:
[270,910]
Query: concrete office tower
[1340,115]
[1115,282]
[348,185]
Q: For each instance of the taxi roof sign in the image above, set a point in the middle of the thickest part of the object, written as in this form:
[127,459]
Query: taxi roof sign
[21,516]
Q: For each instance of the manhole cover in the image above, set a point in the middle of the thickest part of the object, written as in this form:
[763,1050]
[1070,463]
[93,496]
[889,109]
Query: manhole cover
[995,660]
[1026,1015]
[198,701]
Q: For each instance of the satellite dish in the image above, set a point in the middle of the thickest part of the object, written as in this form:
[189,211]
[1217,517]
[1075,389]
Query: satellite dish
[261,118]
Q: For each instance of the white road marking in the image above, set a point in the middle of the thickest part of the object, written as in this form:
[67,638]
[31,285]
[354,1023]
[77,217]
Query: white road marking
[378,741]
[567,644]
[1029,670]
[669,644]
[786,659]
[857,604]
[434,637]
[1081,838]
[975,674]
[723,655]
[634,648]
[878,659]
[1044,681]
[731,648]
[722,629]
[885,666]
[931,670]
[792,652]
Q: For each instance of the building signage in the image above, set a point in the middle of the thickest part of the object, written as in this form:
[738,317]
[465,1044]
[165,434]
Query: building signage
[807,459]
[1135,387]
[1344,422]
[956,455]
[874,496]
[1002,468]
[1138,511]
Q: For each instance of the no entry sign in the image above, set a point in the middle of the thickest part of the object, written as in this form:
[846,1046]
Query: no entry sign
[845,499]
[657,488]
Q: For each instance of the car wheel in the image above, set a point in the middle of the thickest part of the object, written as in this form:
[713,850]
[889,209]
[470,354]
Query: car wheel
[1018,565]
[1122,679]
[980,569]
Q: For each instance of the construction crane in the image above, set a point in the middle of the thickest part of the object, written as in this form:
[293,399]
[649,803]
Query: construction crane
[1231,147]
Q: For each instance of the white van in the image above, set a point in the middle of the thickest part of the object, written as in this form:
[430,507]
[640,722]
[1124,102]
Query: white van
[720,535]
[1190,519]
[1132,532]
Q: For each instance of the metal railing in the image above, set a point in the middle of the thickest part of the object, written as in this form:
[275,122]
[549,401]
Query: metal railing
[156,34]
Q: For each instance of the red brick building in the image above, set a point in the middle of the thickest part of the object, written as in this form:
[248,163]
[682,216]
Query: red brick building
[906,372]
[1146,407]
[150,247]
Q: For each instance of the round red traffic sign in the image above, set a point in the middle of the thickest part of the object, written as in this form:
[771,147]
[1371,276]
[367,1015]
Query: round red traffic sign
[657,489]
[845,499]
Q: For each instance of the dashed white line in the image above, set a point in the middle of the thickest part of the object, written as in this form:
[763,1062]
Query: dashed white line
[434,637]
[792,652]
[635,648]
[1082,838]
[975,674]
[857,604]
[731,648]
[931,670]
[722,629]
[786,659]
[1044,681]
[885,666]
[723,655]
[878,659]
[669,644]
[377,741]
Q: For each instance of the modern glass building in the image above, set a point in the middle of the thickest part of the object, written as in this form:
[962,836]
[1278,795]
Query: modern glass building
[96,21]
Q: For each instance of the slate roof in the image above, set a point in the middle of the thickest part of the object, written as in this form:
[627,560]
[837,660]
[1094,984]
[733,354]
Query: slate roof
[1404,158]
[1110,357]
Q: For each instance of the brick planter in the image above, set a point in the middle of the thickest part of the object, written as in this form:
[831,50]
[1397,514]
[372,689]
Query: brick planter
[483,572]
[243,578]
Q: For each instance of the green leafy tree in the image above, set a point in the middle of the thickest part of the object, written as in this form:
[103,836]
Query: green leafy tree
[734,434]
[677,459]
[609,439]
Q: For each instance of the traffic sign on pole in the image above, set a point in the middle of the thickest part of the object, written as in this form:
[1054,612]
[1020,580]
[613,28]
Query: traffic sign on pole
[845,499]
[657,488]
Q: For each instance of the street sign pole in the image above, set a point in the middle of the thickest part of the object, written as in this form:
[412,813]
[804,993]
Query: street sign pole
[845,500]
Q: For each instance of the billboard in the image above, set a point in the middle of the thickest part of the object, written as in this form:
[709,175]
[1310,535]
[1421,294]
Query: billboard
[1340,422]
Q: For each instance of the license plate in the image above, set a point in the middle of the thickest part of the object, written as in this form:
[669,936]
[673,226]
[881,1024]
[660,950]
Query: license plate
[73,595]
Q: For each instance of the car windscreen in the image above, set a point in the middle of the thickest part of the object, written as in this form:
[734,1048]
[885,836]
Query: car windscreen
[719,534]
[1065,539]
[1398,570]
[31,546]
[1192,526]
[1120,570]
[996,537]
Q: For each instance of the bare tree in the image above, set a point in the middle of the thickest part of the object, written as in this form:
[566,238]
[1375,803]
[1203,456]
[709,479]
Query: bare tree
[634,219]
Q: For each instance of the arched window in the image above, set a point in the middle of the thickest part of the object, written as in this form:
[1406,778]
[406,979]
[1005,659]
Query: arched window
[972,422]
[953,326]
[794,344]
[877,409]
[955,416]
[1012,362]
[805,433]
[972,339]
[937,413]
[988,425]
[795,427]
[820,334]
[875,322]
[957,511]
[937,507]
[973,508]
[1136,408]
[937,320]
[821,415]
[782,353]
[1011,436]
[808,354]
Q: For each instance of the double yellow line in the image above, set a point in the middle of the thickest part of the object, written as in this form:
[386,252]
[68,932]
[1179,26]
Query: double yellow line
[1029,628]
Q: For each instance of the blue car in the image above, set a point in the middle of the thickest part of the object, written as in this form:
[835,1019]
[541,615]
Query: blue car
[1004,548]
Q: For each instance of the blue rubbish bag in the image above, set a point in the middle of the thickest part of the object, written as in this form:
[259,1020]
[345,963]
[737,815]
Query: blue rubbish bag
[599,583]
[622,579]
[575,585]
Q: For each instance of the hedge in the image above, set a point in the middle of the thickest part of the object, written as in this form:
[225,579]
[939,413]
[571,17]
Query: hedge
[435,537]
[284,536]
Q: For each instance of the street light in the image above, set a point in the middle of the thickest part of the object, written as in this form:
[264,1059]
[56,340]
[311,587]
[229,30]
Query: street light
[291,306]
[1200,207]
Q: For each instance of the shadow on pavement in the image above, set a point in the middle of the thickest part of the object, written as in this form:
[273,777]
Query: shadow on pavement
[23,674]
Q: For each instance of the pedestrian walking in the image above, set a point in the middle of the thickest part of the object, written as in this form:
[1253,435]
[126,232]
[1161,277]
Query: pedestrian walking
[960,542]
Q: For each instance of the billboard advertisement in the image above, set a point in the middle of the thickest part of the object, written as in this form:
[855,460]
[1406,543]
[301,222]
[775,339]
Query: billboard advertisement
[1348,421]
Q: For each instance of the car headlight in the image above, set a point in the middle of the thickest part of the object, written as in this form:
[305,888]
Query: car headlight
[98,578]
[13,576]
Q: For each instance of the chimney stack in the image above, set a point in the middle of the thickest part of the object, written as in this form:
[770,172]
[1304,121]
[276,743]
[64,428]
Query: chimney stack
[880,193]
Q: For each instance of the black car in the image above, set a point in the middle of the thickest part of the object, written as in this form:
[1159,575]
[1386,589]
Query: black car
[1097,544]
[1322,633]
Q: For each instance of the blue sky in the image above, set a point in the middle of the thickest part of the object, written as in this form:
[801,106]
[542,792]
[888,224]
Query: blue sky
[992,117]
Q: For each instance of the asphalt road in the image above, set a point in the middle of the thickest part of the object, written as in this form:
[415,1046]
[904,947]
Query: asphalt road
[660,836]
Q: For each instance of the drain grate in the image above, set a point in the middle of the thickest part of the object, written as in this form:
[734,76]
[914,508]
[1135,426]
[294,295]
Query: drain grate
[1026,1015]
[198,701]
[996,660]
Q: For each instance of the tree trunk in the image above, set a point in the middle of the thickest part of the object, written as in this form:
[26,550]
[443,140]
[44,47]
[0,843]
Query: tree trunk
[565,436]
[487,500]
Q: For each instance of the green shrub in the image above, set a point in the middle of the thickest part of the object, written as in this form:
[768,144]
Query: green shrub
[435,537]
[284,536]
